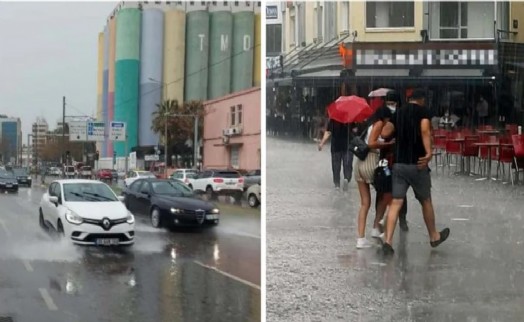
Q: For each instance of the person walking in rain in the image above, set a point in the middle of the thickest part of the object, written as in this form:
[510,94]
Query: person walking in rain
[340,134]
[411,129]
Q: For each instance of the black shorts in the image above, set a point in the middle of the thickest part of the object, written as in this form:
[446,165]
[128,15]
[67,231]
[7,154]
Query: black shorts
[408,175]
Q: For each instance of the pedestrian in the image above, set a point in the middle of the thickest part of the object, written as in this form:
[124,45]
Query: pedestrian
[411,129]
[364,175]
[482,111]
[382,181]
[340,135]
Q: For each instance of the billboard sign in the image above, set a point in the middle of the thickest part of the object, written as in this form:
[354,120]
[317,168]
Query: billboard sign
[96,131]
[77,131]
[117,131]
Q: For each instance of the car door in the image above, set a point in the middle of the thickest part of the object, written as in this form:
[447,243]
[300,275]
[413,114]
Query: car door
[200,183]
[131,194]
[143,199]
[54,209]
[46,204]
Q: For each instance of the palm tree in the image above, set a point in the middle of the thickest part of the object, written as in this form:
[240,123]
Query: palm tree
[180,128]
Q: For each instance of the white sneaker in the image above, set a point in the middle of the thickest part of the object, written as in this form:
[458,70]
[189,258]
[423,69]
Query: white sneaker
[363,243]
[383,221]
[375,233]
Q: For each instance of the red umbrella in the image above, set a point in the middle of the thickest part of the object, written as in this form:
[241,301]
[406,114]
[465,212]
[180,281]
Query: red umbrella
[349,109]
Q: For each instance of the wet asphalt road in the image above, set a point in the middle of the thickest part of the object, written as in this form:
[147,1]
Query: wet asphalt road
[315,273]
[183,275]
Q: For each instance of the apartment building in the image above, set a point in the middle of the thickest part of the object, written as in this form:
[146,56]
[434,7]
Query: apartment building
[458,51]
[39,132]
[10,140]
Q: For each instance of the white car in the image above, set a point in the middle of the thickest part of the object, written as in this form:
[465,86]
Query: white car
[253,195]
[187,176]
[134,175]
[219,182]
[87,212]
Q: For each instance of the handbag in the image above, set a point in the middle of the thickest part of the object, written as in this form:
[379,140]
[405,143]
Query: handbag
[359,147]
[382,180]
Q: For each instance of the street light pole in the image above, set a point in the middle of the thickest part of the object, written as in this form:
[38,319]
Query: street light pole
[195,143]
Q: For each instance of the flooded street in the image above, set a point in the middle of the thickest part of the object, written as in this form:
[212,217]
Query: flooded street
[315,272]
[181,275]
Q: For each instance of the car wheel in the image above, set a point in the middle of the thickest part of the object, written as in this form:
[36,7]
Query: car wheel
[155,218]
[41,218]
[190,186]
[252,200]
[60,228]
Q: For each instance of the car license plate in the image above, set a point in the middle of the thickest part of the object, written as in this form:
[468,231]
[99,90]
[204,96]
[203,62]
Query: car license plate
[9,186]
[106,241]
[231,182]
[211,217]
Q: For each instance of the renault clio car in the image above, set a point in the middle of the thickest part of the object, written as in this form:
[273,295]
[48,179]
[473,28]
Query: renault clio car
[87,212]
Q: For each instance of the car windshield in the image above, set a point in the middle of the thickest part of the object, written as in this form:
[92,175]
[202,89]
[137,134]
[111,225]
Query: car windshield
[6,175]
[20,172]
[88,192]
[86,168]
[171,188]
[146,174]
[227,174]
[70,169]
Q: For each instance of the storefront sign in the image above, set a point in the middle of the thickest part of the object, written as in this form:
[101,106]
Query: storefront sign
[273,13]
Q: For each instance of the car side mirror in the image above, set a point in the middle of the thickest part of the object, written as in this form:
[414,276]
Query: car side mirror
[121,198]
[53,199]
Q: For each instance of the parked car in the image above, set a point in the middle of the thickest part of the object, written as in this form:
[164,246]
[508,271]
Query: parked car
[8,182]
[185,175]
[135,175]
[219,182]
[253,195]
[54,172]
[169,203]
[85,172]
[251,178]
[87,212]
[104,174]
[22,177]
[69,172]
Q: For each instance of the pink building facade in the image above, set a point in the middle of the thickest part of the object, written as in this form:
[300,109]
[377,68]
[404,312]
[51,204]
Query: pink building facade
[232,131]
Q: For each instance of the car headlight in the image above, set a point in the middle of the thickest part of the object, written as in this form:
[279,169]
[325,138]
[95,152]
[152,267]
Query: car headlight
[176,210]
[73,218]
[130,218]
[215,211]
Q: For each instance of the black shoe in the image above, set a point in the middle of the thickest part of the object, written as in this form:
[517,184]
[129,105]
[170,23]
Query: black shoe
[444,234]
[387,250]
[403,224]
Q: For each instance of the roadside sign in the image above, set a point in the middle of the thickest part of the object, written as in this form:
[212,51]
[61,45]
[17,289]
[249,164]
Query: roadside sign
[117,131]
[96,131]
[77,131]
[151,157]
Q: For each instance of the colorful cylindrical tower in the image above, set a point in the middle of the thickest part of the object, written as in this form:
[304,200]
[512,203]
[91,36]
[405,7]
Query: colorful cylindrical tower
[105,88]
[174,54]
[111,81]
[220,43]
[257,57]
[243,42]
[100,82]
[197,53]
[127,72]
[151,58]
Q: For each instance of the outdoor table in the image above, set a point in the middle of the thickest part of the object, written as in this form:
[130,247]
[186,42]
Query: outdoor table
[488,145]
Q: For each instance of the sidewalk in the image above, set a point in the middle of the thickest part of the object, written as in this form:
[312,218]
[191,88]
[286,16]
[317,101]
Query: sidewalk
[315,272]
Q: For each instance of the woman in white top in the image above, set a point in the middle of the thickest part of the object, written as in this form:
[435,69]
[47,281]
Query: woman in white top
[364,172]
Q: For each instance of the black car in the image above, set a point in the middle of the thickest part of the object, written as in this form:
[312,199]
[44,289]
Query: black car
[169,203]
[8,182]
[22,177]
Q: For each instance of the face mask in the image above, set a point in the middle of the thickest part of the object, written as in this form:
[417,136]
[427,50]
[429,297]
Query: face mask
[392,108]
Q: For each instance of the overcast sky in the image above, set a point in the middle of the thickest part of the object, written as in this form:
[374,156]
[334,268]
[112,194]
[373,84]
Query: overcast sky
[49,50]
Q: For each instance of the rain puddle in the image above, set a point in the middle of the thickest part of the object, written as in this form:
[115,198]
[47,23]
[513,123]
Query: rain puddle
[51,251]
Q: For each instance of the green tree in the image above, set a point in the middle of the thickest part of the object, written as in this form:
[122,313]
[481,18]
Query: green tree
[180,126]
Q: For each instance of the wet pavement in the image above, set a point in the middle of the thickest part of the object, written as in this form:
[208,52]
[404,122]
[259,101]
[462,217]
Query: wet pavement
[315,273]
[181,275]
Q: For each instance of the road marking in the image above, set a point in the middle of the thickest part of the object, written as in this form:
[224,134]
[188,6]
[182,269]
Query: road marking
[27,265]
[460,219]
[465,206]
[238,279]
[47,299]
[4,227]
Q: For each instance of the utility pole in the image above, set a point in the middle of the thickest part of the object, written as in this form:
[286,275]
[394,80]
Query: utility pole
[196,146]
[63,128]
[165,145]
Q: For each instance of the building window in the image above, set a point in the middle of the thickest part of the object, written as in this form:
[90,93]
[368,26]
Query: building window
[344,16]
[234,153]
[236,115]
[273,39]
[293,30]
[330,20]
[390,14]
[461,20]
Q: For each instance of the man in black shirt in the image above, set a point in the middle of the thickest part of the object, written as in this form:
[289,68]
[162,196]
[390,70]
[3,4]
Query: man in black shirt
[412,132]
[340,134]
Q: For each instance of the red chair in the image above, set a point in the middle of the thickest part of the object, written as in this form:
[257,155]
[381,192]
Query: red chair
[506,155]
[470,150]
[512,129]
[484,151]
[518,150]
[452,148]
